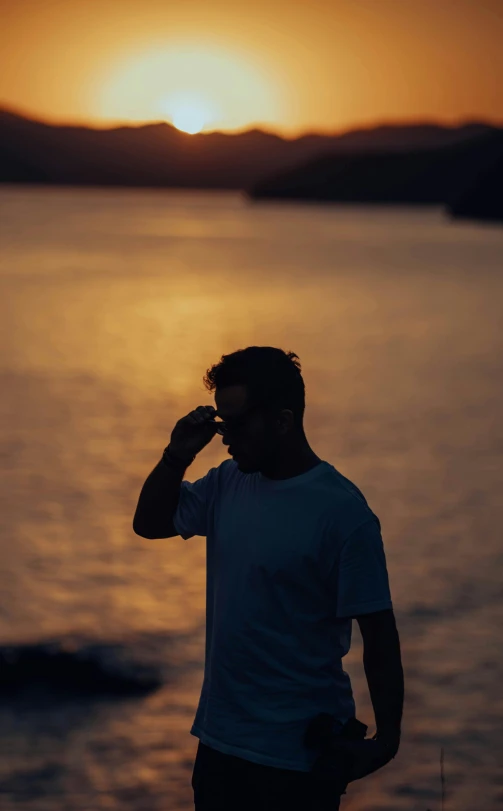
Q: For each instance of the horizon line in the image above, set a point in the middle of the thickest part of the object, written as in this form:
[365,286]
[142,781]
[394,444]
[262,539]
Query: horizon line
[462,121]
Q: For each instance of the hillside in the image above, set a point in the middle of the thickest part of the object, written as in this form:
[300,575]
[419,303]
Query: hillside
[158,155]
[466,176]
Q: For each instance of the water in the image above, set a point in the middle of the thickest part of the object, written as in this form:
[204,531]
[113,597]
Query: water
[114,303]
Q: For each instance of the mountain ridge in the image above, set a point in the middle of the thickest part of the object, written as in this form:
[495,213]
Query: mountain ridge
[158,155]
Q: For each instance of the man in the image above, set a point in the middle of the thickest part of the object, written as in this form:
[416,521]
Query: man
[294,553]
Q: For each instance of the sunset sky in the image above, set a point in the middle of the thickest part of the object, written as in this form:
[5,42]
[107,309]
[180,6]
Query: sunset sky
[283,65]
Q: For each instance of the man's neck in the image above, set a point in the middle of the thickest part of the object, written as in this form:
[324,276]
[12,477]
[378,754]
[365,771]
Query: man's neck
[292,464]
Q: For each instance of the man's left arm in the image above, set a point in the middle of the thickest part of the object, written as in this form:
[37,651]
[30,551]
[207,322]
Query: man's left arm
[359,578]
[382,662]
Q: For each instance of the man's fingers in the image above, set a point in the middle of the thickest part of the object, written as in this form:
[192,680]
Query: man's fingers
[203,413]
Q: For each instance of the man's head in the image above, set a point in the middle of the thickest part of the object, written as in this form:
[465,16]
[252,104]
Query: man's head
[260,391]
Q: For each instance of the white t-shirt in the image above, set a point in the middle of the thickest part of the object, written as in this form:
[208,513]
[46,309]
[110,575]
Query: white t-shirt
[289,563]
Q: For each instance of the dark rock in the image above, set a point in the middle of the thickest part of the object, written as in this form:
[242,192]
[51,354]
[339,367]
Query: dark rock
[85,668]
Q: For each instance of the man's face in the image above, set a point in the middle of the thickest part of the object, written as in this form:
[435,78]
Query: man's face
[252,434]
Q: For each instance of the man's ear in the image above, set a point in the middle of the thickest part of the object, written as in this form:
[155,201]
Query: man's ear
[286,420]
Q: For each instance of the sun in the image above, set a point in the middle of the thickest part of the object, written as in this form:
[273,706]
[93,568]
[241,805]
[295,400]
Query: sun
[189,118]
[196,86]
[189,113]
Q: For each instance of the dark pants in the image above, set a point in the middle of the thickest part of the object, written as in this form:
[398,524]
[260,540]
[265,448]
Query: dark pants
[227,783]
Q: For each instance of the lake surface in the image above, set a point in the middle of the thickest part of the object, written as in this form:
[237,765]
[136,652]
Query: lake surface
[114,303]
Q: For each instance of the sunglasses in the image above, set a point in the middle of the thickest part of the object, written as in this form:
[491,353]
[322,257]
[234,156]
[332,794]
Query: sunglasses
[233,424]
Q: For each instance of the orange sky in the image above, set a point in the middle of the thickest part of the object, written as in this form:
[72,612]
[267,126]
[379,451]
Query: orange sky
[285,65]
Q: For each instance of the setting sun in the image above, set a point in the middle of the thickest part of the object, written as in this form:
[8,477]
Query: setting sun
[189,119]
[187,113]
[195,87]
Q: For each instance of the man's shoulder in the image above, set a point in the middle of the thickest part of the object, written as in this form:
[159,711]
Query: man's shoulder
[214,476]
[224,472]
[342,490]
[346,506]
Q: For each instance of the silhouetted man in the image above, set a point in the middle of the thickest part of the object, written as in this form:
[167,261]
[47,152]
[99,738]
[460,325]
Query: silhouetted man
[294,553]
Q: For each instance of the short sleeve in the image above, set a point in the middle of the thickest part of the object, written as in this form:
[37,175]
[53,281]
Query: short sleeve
[361,577]
[194,505]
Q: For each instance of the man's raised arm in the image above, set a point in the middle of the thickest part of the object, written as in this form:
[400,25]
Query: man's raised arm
[161,492]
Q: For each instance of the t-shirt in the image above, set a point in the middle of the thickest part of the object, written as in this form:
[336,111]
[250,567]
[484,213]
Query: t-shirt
[289,563]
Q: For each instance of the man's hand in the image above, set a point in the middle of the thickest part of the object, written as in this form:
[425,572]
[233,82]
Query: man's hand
[366,756]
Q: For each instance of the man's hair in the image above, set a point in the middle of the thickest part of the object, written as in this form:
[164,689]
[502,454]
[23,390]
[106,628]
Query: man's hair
[271,376]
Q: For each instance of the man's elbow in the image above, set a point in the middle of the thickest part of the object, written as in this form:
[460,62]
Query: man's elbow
[168,531]
[141,532]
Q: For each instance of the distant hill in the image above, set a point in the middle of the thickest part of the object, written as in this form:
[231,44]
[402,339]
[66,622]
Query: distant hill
[467,176]
[158,155]
[482,196]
